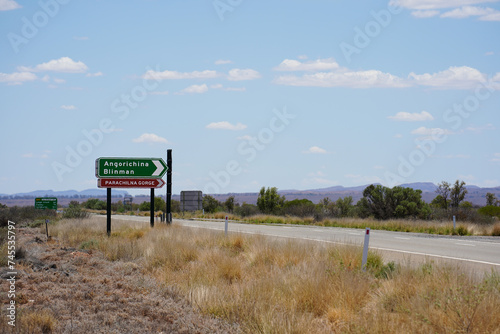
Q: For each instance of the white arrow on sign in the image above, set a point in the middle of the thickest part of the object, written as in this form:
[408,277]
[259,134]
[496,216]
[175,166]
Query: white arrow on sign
[159,168]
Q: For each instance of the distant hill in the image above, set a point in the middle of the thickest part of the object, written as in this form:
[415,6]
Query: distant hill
[65,193]
[475,195]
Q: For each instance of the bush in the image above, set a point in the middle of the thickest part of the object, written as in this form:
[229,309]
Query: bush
[490,210]
[75,211]
[210,204]
[496,230]
[299,208]
[246,210]
[24,214]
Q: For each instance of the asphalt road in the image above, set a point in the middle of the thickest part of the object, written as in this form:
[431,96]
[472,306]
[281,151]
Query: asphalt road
[479,254]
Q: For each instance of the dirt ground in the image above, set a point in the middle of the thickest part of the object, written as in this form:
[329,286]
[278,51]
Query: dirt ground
[65,290]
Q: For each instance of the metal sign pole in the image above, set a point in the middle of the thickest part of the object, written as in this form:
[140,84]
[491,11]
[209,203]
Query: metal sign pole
[108,213]
[152,207]
[169,187]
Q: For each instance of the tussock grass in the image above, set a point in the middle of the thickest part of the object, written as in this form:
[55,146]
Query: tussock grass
[397,225]
[40,321]
[286,286]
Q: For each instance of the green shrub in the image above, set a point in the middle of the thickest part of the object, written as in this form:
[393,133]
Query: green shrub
[490,210]
[75,211]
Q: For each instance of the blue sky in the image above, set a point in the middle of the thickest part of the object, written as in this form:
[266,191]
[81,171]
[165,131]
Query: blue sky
[295,94]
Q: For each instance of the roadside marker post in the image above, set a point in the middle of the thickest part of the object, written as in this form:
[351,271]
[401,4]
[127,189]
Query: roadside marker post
[365,249]
[225,227]
[454,223]
[47,228]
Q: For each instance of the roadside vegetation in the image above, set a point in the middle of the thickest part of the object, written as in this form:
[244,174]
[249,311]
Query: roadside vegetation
[282,286]
[393,209]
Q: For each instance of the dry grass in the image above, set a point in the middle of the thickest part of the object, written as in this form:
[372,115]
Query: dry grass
[297,287]
[400,225]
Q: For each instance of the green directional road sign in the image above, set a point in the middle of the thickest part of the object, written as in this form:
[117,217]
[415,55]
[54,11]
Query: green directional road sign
[130,167]
[46,203]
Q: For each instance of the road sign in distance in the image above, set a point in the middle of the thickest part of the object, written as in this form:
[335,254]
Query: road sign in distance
[130,183]
[46,203]
[130,167]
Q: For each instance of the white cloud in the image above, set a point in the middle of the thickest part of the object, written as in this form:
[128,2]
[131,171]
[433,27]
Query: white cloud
[235,89]
[96,74]
[412,117]
[68,107]
[485,13]
[229,89]
[302,57]
[359,79]
[317,178]
[363,179]
[479,129]
[435,4]
[63,65]
[245,137]
[431,133]
[59,81]
[38,156]
[237,74]
[398,135]
[455,78]
[457,156]
[489,53]
[315,150]
[422,14]
[150,138]
[226,126]
[489,184]
[314,65]
[17,78]
[495,16]
[174,75]
[195,89]
[223,62]
[80,38]
[496,157]
[160,93]
[8,5]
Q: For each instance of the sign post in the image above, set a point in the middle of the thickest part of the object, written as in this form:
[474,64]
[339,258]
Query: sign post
[152,208]
[108,213]
[168,216]
[130,173]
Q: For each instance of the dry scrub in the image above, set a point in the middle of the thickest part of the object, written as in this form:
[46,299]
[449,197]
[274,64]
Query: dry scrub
[269,286]
[399,225]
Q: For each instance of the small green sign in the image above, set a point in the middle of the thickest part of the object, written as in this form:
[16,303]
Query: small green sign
[130,167]
[46,203]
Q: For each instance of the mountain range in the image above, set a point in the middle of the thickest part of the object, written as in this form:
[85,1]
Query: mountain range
[476,195]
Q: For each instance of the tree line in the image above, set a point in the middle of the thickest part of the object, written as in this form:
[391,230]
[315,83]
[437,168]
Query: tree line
[378,201]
